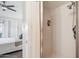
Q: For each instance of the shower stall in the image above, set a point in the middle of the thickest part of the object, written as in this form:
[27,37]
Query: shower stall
[59,29]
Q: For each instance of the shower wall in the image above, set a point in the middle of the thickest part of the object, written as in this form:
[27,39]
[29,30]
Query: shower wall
[60,37]
[64,40]
[47,34]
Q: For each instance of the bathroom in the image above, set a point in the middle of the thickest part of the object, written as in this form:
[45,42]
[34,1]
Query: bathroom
[58,23]
[50,34]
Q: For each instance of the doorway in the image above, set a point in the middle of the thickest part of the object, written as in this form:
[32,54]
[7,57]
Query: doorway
[57,30]
[11,29]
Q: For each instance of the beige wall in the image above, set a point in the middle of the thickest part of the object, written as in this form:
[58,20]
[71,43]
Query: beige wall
[46,34]
[64,41]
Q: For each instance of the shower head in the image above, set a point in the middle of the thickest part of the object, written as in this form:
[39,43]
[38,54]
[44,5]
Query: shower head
[71,5]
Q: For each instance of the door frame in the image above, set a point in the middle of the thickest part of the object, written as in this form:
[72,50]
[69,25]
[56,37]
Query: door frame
[33,17]
[77,29]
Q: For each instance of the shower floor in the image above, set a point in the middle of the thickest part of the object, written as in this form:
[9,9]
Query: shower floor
[17,54]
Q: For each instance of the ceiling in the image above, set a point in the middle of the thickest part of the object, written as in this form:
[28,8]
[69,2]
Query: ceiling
[19,6]
[54,4]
